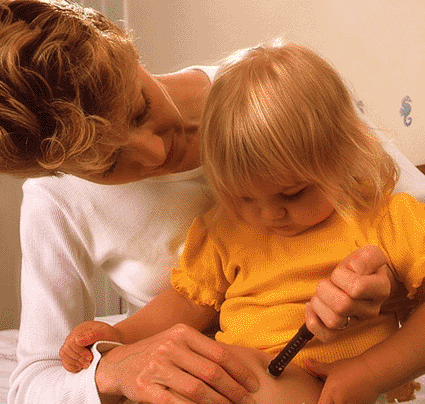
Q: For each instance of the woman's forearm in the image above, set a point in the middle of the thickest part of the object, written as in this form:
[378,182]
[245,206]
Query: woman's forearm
[401,357]
[167,309]
[103,384]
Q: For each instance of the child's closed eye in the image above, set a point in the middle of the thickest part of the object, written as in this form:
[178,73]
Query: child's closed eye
[292,197]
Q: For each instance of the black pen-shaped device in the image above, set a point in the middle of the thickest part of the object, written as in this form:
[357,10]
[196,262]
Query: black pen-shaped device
[278,364]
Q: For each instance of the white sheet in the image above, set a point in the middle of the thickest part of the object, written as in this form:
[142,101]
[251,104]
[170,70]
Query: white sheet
[8,360]
[9,340]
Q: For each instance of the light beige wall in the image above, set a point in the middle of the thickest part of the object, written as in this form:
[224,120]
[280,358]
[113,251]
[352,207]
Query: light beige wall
[10,256]
[376,45]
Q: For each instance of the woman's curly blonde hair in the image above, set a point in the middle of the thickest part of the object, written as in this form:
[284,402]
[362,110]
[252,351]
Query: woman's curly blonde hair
[64,69]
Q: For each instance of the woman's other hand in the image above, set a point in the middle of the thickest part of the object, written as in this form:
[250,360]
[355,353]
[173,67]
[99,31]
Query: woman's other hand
[356,290]
[342,380]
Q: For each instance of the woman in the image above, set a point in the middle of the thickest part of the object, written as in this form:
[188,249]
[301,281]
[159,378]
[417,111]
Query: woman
[117,150]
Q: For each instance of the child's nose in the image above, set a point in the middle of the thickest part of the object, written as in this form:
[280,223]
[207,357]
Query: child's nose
[273,212]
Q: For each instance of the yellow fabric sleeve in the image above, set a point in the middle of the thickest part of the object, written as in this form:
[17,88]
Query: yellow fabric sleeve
[402,236]
[200,275]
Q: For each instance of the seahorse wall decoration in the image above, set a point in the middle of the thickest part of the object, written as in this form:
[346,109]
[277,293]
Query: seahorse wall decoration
[405,111]
[360,106]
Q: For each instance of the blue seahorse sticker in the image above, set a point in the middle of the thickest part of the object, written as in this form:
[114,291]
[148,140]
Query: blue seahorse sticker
[360,106]
[405,111]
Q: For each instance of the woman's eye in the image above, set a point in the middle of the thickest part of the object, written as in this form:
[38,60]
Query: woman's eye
[247,199]
[140,119]
[117,155]
[111,169]
[292,197]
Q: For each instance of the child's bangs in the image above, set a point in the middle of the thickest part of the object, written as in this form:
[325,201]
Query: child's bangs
[239,165]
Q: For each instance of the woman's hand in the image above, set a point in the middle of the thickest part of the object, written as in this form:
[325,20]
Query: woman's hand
[179,365]
[343,380]
[356,290]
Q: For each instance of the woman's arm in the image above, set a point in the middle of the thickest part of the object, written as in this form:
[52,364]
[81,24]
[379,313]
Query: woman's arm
[55,298]
[401,357]
[380,369]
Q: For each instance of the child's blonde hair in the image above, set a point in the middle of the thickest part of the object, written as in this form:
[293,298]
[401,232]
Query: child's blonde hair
[64,70]
[278,113]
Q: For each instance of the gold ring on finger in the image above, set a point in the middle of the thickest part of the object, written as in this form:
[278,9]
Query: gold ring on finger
[348,318]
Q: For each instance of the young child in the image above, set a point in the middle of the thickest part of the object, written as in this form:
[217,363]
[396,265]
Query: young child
[300,184]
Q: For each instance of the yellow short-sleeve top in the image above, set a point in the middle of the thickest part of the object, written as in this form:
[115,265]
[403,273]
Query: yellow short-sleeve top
[261,281]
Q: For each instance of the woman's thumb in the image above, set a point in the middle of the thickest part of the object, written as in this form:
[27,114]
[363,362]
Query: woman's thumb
[317,369]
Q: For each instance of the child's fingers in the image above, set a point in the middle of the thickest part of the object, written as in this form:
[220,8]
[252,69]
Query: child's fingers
[86,338]
[77,351]
[76,354]
[72,368]
[70,363]
[92,334]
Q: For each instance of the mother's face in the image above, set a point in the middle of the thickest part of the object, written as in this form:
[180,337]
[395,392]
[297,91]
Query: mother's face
[153,142]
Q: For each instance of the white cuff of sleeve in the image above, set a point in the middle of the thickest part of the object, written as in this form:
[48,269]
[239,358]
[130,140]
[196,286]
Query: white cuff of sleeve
[97,349]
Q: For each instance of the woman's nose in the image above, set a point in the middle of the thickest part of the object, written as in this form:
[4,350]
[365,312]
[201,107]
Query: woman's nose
[149,149]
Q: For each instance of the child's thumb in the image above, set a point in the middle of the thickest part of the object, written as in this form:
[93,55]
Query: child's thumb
[88,338]
[317,369]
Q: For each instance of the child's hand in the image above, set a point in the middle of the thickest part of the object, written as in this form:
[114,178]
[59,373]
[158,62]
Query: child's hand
[74,354]
[342,380]
[356,290]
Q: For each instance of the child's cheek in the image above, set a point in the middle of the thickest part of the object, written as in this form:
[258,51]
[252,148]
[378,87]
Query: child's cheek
[248,215]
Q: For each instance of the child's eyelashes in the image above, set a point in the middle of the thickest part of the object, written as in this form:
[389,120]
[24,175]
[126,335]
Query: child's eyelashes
[292,197]
[281,195]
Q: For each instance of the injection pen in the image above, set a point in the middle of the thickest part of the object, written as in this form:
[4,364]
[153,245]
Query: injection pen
[278,364]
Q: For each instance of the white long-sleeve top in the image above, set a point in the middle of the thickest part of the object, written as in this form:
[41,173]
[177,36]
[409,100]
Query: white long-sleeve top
[71,228]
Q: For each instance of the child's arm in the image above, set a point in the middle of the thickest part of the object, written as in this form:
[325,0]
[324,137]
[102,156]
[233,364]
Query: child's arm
[167,309]
[387,365]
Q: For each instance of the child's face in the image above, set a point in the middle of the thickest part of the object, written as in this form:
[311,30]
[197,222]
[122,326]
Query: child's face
[287,210]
